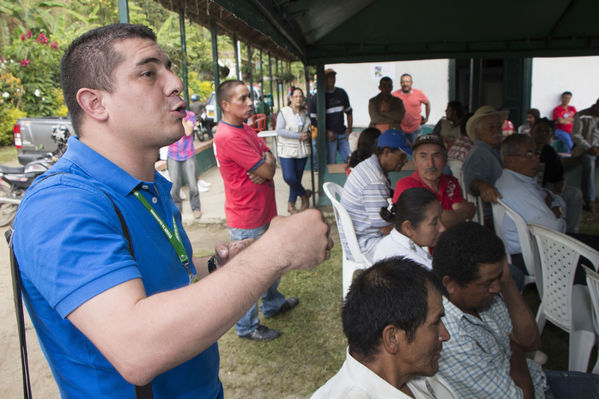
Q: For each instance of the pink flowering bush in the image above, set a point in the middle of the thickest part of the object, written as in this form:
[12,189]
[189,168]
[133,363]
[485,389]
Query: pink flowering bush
[35,63]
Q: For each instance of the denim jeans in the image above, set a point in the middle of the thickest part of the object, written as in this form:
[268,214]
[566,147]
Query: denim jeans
[184,170]
[565,138]
[272,299]
[588,177]
[340,144]
[571,385]
[412,136]
[293,170]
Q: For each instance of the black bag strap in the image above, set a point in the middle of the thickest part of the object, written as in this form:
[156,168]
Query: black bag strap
[141,392]
[16,289]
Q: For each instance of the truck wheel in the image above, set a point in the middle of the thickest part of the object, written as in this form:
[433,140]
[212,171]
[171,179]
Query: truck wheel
[7,213]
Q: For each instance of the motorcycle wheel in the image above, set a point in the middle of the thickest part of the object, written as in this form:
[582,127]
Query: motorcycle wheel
[7,213]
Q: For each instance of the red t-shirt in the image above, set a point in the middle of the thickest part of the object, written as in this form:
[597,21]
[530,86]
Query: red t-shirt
[449,193]
[412,102]
[239,150]
[560,112]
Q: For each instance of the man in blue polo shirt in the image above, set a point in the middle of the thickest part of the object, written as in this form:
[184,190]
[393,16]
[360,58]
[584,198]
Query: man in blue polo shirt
[337,104]
[106,267]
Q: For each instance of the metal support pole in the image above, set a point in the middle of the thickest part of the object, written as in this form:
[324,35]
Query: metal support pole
[215,65]
[124,11]
[261,76]
[278,91]
[312,155]
[322,127]
[270,80]
[236,48]
[184,60]
[250,67]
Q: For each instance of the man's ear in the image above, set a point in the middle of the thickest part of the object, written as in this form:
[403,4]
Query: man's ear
[450,285]
[391,339]
[91,101]
[224,106]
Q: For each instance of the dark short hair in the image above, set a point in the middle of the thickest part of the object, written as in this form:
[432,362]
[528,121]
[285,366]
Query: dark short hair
[224,91]
[458,108]
[547,121]
[366,146]
[512,143]
[567,92]
[534,112]
[406,74]
[411,205]
[462,248]
[385,79]
[90,60]
[394,292]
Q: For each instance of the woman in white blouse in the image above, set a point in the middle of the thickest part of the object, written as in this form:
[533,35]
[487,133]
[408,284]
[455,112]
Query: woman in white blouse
[293,147]
[417,219]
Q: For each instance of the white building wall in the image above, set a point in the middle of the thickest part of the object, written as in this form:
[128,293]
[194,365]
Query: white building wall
[361,82]
[552,76]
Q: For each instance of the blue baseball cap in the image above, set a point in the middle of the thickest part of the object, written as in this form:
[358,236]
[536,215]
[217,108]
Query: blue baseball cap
[394,138]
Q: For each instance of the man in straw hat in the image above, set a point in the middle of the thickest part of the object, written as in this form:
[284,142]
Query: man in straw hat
[482,165]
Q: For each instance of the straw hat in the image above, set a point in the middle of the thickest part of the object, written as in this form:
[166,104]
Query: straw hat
[481,112]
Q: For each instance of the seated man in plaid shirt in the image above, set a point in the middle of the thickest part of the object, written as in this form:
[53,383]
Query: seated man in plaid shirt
[491,326]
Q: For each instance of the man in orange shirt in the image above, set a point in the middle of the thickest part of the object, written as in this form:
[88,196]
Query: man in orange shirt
[412,101]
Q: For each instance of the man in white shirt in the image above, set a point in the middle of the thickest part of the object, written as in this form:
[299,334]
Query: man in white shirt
[392,321]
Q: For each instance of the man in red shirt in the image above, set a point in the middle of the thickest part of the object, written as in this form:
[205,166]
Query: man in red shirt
[412,101]
[563,115]
[429,156]
[247,167]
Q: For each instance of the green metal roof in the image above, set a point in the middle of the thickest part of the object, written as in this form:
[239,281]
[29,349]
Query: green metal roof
[332,31]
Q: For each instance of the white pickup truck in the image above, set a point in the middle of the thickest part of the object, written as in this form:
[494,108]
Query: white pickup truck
[33,136]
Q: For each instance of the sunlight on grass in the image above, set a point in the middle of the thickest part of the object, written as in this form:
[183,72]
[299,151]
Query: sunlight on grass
[8,154]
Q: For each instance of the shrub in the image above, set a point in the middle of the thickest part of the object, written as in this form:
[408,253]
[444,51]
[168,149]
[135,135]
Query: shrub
[8,118]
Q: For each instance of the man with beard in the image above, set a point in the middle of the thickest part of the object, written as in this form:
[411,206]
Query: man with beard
[412,101]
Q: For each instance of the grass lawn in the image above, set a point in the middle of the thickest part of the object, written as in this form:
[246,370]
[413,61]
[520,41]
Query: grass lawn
[8,154]
[311,347]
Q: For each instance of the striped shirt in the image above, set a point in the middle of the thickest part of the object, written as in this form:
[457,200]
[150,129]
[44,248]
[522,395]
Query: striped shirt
[365,192]
[183,149]
[476,360]
[337,103]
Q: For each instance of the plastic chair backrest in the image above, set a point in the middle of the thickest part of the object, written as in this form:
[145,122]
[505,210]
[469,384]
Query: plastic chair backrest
[456,169]
[593,284]
[349,241]
[258,122]
[559,256]
[527,245]
[479,216]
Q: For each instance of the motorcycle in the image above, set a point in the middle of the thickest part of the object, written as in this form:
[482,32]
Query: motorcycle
[14,181]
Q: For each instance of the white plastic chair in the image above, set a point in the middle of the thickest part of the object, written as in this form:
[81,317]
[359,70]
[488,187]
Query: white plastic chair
[566,305]
[349,241]
[593,284]
[529,250]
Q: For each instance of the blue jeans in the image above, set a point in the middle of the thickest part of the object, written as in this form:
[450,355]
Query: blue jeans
[588,177]
[412,136]
[185,170]
[340,144]
[293,170]
[571,384]
[272,299]
[565,139]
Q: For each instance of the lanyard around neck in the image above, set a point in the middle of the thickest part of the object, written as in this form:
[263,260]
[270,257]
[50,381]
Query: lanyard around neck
[173,238]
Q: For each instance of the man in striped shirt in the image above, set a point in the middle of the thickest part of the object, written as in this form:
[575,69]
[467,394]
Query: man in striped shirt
[337,104]
[367,190]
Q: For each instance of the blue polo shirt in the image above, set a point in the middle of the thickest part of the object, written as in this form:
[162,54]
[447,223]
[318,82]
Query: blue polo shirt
[70,247]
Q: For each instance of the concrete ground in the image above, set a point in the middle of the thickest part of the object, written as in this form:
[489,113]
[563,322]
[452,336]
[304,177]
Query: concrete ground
[213,201]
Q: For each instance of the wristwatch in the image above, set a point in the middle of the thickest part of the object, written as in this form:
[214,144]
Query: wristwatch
[212,264]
